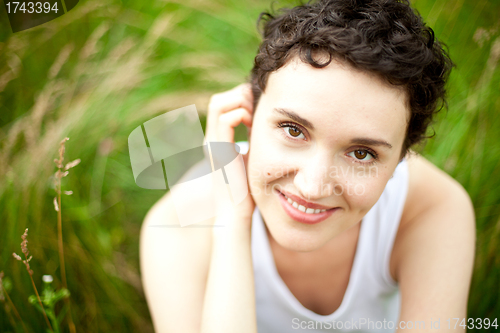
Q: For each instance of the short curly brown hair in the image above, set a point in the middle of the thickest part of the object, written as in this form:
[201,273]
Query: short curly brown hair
[385,37]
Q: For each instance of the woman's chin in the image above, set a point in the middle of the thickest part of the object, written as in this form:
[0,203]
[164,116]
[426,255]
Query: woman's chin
[297,240]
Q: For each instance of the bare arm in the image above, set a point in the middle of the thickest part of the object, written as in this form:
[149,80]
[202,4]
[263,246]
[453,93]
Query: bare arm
[230,297]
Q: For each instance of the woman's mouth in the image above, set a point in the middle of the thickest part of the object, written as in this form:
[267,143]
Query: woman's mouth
[306,212]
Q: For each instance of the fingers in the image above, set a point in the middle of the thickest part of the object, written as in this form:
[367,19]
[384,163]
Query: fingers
[246,89]
[227,110]
[228,121]
[240,96]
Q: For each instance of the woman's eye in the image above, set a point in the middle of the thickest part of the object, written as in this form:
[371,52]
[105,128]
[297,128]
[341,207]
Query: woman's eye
[361,155]
[294,132]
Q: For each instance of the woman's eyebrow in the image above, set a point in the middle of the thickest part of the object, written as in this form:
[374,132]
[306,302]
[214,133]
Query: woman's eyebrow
[370,142]
[294,116]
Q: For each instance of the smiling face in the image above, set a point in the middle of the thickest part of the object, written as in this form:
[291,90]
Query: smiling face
[325,141]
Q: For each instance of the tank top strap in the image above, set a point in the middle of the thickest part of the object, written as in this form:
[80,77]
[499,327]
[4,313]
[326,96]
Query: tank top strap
[389,209]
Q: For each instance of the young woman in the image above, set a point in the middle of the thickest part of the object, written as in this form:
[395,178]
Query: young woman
[344,228]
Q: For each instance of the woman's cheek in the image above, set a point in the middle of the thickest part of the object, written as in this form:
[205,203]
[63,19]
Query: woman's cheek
[264,170]
[259,175]
[362,190]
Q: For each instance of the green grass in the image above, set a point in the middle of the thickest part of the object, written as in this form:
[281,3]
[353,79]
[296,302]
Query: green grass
[101,70]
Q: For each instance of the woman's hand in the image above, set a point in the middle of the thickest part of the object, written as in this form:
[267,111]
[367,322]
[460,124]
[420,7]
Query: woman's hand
[226,111]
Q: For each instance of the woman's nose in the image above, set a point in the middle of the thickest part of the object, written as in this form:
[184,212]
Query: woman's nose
[315,179]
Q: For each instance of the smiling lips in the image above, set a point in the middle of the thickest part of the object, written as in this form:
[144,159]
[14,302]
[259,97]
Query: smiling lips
[303,211]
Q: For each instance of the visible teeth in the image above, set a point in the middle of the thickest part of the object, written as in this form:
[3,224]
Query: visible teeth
[303,208]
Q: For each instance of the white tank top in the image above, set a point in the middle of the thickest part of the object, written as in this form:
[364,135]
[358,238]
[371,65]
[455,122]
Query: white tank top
[372,296]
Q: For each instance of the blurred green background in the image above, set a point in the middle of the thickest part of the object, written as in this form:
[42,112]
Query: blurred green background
[101,70]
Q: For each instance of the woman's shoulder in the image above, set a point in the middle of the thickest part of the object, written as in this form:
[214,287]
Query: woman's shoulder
[174,268]
[162,219]
[437,209]
[429,188]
